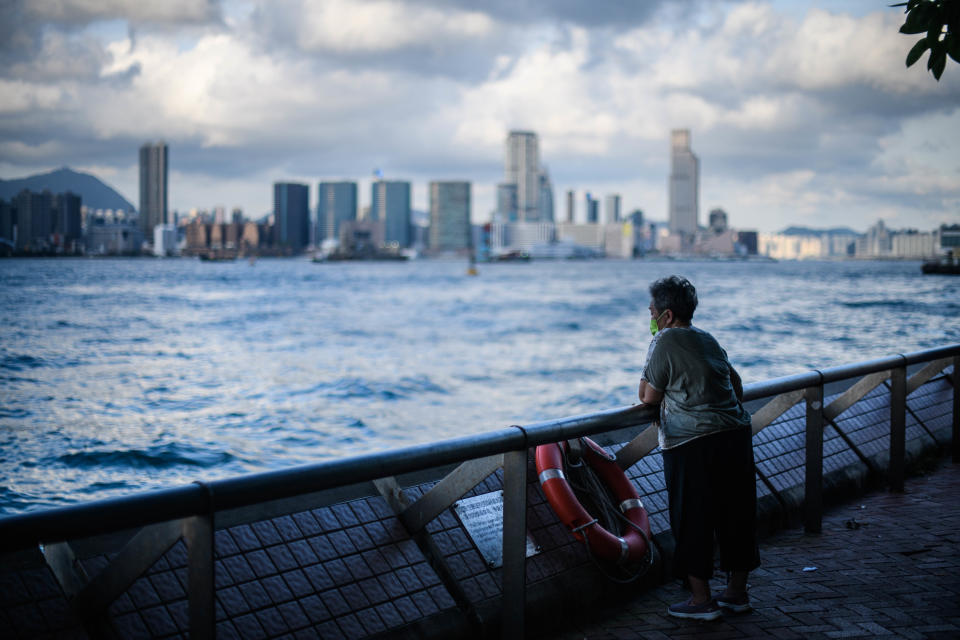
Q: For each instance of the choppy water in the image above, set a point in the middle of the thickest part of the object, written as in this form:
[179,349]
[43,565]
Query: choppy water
[123,375]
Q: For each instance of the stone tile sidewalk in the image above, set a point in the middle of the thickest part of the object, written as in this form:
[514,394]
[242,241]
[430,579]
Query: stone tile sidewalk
[886,565]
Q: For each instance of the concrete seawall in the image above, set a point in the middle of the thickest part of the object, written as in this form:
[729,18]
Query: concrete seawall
[341,564]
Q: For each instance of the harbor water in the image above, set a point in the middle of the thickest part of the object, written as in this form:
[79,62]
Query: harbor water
[119,375]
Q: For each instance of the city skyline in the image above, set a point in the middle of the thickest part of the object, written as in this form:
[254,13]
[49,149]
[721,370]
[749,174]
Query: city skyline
[804,114]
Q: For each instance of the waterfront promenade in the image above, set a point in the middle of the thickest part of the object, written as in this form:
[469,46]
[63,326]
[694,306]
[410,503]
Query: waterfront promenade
[885,565]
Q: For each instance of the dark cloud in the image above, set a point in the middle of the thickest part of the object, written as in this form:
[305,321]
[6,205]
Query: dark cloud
[55,56]
[79,13]
[42,40]
[281,26]
[617,14]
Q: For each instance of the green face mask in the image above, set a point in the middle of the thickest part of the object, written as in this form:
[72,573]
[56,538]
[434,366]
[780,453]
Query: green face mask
[655,324]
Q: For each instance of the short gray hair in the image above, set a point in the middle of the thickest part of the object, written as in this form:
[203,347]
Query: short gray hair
[675,293]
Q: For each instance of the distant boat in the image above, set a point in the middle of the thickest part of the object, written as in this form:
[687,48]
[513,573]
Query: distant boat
[218,255]
[516,255]
[946,265]
[941,268]
[361,257]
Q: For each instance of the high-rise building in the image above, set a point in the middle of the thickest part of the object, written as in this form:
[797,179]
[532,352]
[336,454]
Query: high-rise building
[612,208]
[545,197]
[507,202]
[449,215]
[718,220]
[523,169]
[66,220]
[336,204]
[570,197]
[593,209]
[291,215]
[684,184]
[34,220]
[390,202]
[153,187]
[7,223]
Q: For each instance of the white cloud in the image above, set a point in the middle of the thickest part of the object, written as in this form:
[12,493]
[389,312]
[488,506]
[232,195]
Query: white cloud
[348,26]
[924,146]
[19,96]
[829,50]
[225,94]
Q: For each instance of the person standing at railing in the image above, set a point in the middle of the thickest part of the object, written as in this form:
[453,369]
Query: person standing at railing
[706,441]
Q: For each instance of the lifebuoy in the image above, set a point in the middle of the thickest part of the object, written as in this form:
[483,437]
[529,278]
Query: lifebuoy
[605,545]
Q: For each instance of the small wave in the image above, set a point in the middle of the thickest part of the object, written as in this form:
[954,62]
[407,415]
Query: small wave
[65,324]
[156,457]
[158,389]
[97,487]
[514,331]
[408,386]
[14,502]
[790,319]
[867,304]
[568,374]
[16,362]
[15,380]
[19,414]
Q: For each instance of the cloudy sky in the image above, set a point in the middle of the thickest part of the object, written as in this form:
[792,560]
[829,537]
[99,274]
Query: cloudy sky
[801,112]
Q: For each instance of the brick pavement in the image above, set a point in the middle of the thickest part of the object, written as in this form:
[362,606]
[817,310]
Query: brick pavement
[885,565]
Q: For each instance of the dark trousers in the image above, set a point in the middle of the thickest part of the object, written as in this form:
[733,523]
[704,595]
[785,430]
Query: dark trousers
[711,484]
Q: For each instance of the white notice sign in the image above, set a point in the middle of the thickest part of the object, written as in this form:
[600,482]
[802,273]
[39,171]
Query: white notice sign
[482,516]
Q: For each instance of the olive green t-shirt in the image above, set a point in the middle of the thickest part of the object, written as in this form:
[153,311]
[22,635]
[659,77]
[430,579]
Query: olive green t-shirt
[692,371]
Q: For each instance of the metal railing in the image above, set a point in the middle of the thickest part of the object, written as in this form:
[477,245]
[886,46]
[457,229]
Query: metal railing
[187,512]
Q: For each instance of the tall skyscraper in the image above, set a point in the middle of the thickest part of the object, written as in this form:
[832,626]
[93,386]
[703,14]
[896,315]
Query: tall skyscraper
[336,204]
[612,208]
[449,215]
[545,197]
[66,219]
[593,209]
[7,223]
[507,202]
[291,214]
[153,187]
[571,194]
[34,220]
[523,169]
[390,202]
[684,184]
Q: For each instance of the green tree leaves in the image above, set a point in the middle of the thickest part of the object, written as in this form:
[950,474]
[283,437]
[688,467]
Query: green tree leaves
[939,20]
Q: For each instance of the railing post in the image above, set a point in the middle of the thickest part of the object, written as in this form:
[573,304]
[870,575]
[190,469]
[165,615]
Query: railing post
[198,536]
[813,486]
[898,426]
[956,409]
[514,543]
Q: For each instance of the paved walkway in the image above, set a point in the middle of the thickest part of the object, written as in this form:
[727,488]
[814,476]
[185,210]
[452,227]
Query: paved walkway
[886,565]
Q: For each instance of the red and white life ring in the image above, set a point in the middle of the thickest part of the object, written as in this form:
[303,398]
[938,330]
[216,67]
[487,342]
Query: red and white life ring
[605,545]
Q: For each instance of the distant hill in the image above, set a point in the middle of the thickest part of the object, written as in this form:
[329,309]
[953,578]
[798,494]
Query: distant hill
[807,231]
[94,193]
